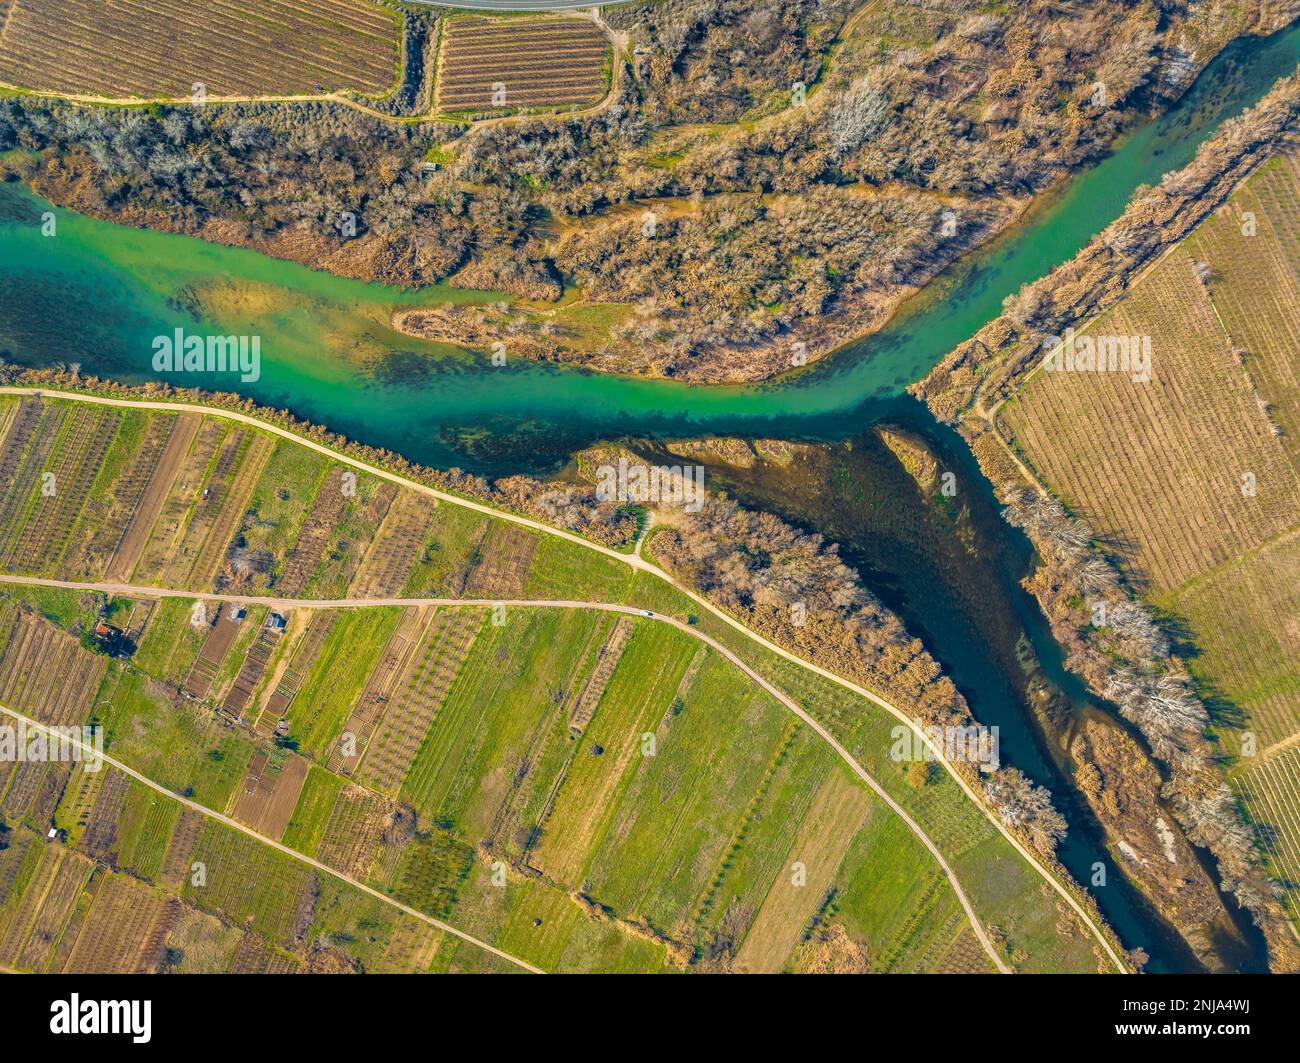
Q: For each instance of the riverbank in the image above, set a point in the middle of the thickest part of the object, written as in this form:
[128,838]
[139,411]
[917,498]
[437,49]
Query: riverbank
[97,294]
[910,511]
[968,389]
[811,223]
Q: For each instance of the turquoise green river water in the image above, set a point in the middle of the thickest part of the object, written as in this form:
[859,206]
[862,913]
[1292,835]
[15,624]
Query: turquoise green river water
[98,294]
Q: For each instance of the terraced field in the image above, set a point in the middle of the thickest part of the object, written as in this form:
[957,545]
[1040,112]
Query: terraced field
[1194,478]
[493,64]
[235,47]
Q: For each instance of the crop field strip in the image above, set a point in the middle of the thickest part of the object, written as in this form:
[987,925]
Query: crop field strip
[144,829]
[250,672]
[32,790]
[125,929]
[336,683]
[24,426]
[247,801]
[833,820]
[221,634]
[1272,790]
[223,508]
[108,512]
[314,538]
[30,794]
[892,961]
[1256,284]
[411,948]
[8,405]
[963,956]
[77,806]
[164,538]
[1255,661]
[233,47]
[504,559]
[159,480]
[267,798]
[43,671]
[747,823]
[384,677]
[348,542]
[304,656]
[22,420]
[391,557]
[42,865]
[76,458]
[246,881]
[56,907]
[943,943]
[100,835]
[684,800]
[587,782]
[72,466]
[354,831]
[545,757]
[540,62]
[14,860]
[611,651]
[216,511]
[180,849]
[28,462]
[59,955]
[1165,457]
[412,707]
[45,904]
[256,956]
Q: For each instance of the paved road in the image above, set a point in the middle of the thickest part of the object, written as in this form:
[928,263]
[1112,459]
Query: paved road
[641,564]
[324,868]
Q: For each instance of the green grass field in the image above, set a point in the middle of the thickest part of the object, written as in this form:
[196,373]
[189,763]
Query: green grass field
[338,677]
[176,744]
[144,829]
[280,503]
[172,641]
[314,803]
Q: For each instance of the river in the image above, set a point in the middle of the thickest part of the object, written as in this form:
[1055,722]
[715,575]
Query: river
[97,294]
[953,575]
